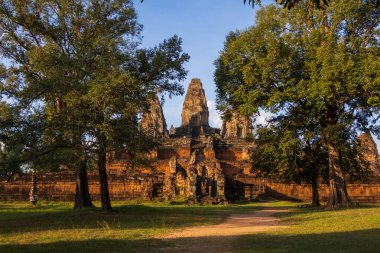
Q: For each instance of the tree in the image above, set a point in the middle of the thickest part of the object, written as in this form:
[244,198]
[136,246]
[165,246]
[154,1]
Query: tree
[289,4]
[291,152]
[20,139]
[9,164]
[326,59]
[79,63]
[82,192]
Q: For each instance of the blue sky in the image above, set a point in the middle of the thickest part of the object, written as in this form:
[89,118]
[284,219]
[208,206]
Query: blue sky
[203,26]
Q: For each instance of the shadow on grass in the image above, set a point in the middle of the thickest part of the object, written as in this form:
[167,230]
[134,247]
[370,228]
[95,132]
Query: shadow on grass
[52,217]
[87,246]
[293,211]
[27,219]
[342,242]
[347,242]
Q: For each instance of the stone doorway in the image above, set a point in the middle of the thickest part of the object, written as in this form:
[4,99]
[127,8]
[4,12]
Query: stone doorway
[206,187]
[158,190]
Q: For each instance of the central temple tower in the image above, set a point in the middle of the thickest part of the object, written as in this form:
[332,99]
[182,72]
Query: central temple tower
[195,111]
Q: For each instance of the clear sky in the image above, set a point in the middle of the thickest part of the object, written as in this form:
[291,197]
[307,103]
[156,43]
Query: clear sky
[203,26]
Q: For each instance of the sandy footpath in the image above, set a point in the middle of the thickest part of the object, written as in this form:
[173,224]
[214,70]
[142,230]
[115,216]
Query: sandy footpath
[219,238]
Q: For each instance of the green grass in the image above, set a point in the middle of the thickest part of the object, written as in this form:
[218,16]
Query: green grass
[317,230]
[55,227]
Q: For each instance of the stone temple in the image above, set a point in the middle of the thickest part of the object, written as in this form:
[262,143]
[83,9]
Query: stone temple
[194,160]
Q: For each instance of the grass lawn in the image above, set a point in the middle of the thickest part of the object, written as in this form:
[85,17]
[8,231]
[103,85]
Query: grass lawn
[353,230]
[55,227]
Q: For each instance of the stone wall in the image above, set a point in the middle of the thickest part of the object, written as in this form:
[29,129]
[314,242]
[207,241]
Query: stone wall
[228,154]
[61,187]
[232,168]
[167,153]
[361,193]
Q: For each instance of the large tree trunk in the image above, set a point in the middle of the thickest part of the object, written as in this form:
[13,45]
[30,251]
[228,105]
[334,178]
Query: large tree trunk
[33,189]
[338,196]
[82,194]
[314,187]
[104,192]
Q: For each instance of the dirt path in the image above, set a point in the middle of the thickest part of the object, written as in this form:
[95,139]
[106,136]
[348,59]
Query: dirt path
[219,238]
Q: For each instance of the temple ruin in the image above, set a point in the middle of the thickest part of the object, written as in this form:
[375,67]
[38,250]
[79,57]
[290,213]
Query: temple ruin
[369,152]
[194,160]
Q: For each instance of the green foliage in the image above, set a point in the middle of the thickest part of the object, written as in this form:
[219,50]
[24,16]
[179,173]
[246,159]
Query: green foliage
[289,153]
[282,62]
[318,68]
[315,230]
[79,77]
[20,139]
[289,4]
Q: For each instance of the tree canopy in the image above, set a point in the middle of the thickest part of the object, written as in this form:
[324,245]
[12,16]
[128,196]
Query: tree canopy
[289,3]
[78,66]
[292,3]
[323,61]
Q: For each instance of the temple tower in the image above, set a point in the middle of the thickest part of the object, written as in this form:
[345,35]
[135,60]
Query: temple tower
[153,120]
[195,111]
[368,149]
[236,126]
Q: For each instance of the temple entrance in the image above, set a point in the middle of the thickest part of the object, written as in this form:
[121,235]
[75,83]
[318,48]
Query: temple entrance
[206,187]
[158,190]
[234,190]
